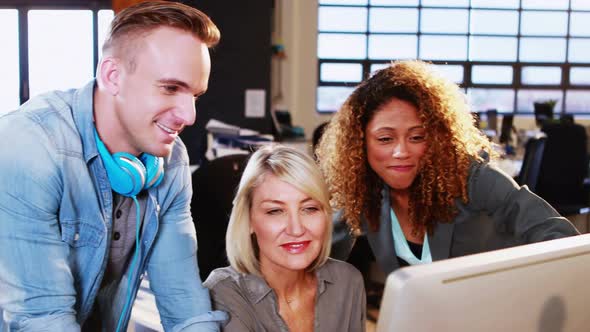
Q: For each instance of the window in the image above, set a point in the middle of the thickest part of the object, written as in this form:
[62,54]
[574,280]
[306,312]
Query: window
[56,49]
[541,49]
[48,47]
[9,61]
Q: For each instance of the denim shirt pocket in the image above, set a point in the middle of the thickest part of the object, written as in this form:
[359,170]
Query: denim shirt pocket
[79,233]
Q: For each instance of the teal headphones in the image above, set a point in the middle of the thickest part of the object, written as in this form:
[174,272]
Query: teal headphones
[127,174]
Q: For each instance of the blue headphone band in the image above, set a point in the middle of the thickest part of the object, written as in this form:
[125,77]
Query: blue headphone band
[154,169]
[127,174]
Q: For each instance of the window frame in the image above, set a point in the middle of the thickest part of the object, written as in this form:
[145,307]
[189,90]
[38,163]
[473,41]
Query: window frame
[517,84]
[23,8]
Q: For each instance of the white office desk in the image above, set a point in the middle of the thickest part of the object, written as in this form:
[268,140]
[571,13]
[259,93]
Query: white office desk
[144,315]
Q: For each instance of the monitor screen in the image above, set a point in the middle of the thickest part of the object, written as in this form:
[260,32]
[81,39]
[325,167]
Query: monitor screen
[537,287]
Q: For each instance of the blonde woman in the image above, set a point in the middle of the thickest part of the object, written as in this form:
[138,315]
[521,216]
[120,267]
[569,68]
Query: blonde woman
[278,241]
[407,166]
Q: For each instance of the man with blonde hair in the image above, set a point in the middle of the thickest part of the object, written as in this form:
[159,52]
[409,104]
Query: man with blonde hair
[96,184]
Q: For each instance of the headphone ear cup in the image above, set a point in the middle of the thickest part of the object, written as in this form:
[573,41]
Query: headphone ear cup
[154,170]
[128,179]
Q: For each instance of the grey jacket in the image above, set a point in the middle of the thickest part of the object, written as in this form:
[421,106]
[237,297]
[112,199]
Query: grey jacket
[499,214]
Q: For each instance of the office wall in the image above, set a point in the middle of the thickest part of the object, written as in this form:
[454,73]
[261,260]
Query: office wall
[241,61]
[299,70]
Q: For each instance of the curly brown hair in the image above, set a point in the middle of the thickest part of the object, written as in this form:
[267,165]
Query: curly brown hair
[453,144]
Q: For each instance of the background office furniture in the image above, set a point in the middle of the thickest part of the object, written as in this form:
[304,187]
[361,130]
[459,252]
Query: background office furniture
[531,164]
[241,61]
[507,129]
[214,186]
[543,113]
[564,168]
[492,117]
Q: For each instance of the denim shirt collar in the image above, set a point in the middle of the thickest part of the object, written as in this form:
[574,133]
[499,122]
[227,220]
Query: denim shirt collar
[258,288]
[83,113]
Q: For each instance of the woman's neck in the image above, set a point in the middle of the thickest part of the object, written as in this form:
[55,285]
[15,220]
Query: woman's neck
[296,293]
[287,284]
[400,202]
[399,199]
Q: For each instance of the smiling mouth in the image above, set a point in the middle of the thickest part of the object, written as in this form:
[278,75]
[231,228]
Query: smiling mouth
[166,129]
[402,167]
[295,247]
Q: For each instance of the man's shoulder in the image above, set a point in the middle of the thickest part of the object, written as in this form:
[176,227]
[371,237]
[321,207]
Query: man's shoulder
[45,118]
[48,104]
[178,156]
[49,112]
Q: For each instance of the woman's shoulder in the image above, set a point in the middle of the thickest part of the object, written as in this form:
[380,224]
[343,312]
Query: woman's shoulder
[487,172]
[227,274]
[341,271]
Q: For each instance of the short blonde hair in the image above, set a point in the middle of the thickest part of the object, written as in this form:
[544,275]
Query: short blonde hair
[140,19]
[289,165]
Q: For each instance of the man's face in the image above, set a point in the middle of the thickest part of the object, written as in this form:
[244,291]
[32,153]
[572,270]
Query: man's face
[156,99]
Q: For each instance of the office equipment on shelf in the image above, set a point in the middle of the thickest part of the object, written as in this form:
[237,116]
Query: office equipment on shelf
[227,139]
[531,288]
[283,127]
[217,127]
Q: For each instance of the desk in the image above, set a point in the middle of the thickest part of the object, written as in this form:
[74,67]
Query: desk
[144,315]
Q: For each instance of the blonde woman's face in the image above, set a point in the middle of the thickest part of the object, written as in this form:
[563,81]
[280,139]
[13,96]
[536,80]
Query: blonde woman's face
[289,226]
[396,143]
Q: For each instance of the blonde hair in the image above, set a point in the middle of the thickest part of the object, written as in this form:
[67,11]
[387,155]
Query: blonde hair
[453,144]
[137,20]
[291,166]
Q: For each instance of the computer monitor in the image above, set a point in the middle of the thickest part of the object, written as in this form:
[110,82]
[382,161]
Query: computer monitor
[538,287]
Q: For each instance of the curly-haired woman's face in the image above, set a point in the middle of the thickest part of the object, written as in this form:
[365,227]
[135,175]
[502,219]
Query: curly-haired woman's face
[396,142]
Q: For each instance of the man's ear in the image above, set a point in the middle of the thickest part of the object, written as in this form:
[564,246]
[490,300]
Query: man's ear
[109,73]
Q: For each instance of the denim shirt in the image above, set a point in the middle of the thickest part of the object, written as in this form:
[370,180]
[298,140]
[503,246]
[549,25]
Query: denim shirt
[56,223]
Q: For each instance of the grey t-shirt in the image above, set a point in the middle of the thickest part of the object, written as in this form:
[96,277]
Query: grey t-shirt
[252,304]
[120,255]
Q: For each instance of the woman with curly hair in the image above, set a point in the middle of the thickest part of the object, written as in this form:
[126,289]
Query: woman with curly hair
[406,165]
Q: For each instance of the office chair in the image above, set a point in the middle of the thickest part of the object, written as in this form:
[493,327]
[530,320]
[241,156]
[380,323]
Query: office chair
[564,168]
[531,164]
[507,129]
[214,186]
[543,113]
